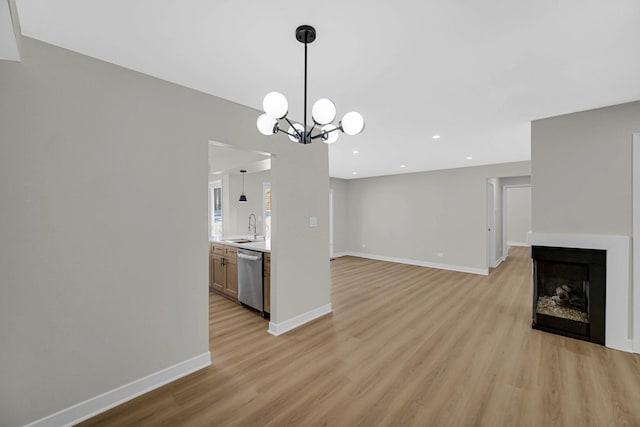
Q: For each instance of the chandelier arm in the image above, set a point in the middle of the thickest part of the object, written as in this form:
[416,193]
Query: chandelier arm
[312,128]
[298,134]
[325,132]
[293,135]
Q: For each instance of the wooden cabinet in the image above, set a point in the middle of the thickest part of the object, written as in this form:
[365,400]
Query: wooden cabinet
[223,270]
[231,269]
[218,273]
[212,263]
[266,280]
[216,268]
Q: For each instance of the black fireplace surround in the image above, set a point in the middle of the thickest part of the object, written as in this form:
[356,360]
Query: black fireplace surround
[569,287]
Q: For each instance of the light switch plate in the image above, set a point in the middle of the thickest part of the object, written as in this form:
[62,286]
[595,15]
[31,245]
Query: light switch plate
[313,221]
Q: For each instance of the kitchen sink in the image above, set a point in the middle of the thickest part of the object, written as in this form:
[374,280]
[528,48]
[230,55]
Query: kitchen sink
[240,241]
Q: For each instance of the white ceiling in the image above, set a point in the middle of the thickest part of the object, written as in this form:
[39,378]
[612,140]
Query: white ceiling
[228,160]
[475,73]
[8,45]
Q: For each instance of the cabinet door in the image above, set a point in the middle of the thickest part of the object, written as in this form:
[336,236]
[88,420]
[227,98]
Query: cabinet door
[219,274]
[210,271]
[266,280]
[231,287]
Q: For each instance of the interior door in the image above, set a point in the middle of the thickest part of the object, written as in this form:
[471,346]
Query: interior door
[231,272]
[219,278]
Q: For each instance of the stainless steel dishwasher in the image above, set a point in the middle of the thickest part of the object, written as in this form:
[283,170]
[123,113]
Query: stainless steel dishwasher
[250,278]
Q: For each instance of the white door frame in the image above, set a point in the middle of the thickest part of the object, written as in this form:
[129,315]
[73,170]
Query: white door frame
[491,225]
[635,288]
[215,184]
[330,223]
[265,185]
[505,247]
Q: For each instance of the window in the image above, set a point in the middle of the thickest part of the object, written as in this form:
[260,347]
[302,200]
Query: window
[215,209]
[266,190]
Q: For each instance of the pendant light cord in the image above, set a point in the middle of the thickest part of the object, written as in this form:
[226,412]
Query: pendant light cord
[304,132]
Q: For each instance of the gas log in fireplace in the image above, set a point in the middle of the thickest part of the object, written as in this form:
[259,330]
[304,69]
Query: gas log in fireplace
[569,291]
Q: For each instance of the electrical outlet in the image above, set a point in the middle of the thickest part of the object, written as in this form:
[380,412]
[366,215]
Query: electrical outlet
[313,221]
[364,246]
[440,254]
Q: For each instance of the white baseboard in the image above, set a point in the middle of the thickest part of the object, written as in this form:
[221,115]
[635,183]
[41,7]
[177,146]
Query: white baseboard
[283,327]
[518,244]
[98,404]
[340,254]
[500,261]
[629,347]
[459,268]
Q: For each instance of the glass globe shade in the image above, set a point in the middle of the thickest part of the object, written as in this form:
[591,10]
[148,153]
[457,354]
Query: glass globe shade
[275,105]
[266,124]
[352,123]
[293,132]
[323,111]
[329,138]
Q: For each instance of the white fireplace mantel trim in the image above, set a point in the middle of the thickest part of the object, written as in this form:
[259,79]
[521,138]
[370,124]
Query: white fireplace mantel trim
[619,297]
[636,242]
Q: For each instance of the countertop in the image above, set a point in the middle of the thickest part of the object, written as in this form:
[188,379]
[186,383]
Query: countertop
[261,245]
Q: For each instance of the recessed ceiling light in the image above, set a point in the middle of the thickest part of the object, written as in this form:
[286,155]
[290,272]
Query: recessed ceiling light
[403,166]
[468,158]
[356,152]
[354,173]
[436,137]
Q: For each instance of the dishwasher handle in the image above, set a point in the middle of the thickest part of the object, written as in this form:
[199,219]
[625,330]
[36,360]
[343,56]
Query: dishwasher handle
[248,257]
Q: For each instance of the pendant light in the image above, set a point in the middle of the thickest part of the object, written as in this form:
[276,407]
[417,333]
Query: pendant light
[243,198]
[323,111]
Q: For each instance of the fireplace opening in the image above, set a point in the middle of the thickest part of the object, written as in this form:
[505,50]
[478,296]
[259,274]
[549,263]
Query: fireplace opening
[569,291]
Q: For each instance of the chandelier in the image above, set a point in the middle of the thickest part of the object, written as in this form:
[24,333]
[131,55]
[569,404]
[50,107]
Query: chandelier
[323,111]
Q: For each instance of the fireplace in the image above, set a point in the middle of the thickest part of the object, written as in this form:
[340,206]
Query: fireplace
[569,287]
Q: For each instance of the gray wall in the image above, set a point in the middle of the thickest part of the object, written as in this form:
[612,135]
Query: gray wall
[518,219]
[103,223]
[581,171]
[416,216]
[301,274]
[340,215]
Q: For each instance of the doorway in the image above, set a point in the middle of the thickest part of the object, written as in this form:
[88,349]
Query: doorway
[240,219]
[500,213]
[516,215]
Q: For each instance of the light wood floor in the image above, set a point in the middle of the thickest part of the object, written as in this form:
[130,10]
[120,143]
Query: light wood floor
[405,345]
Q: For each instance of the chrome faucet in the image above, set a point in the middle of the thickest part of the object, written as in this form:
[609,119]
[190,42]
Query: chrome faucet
[255,233]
